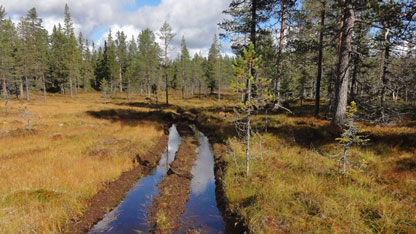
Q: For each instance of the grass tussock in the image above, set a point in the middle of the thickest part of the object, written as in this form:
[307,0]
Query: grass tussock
[295,185]
[48,173]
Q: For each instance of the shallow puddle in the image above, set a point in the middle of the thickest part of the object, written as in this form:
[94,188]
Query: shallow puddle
[201,211]
[131,215]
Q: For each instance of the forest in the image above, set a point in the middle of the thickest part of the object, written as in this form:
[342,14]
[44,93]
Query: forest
[299,118]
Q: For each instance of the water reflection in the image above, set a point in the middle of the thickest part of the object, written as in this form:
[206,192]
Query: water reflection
[131,215]
[201,211]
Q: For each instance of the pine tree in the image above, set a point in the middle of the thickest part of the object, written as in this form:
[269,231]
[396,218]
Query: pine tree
[198,72]
[258,95]
[131,65]
[111,62]
[121,48]
[343,74]
[8,38]
[166,35]
[86,63]
[247,18]
[148,55]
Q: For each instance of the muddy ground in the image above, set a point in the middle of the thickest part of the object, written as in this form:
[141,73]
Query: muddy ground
[114,192]
[167,208]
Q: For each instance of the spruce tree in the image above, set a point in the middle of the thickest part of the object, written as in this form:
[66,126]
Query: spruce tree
[184,67]
[57,72]
[72,55]
[7,47]
[213,64]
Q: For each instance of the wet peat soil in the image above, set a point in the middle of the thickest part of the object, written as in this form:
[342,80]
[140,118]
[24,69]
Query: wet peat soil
[114,192]
[168,206]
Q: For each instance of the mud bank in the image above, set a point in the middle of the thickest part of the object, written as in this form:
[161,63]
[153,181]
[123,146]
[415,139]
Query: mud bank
[114,192]
[167,208]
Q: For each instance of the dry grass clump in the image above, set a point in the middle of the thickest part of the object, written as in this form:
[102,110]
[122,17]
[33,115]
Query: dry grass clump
[47,174]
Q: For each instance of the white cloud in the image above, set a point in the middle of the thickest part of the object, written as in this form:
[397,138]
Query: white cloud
[195,19]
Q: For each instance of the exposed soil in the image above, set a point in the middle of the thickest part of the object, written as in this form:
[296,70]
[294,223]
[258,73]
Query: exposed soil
[115,191]
[167,208]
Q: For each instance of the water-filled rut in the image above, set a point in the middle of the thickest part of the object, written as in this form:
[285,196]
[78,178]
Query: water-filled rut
[131,215]
[201,211]
[177,196]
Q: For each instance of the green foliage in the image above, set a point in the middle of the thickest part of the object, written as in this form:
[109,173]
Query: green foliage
[148,60]
[257,94]
[259,90]
[105,87]
[350,135]
[351,132]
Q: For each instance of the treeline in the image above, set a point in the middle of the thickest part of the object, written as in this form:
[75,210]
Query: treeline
[336,50]
[31,60]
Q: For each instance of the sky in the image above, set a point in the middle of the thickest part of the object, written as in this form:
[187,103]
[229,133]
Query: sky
[196,20]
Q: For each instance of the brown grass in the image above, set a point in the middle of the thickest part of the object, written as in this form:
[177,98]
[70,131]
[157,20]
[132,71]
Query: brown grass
[48,174]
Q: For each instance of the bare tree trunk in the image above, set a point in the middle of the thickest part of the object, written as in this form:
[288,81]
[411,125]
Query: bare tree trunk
[167,87]
[200,89]
[70,86]
[320,59]
[148,90]
[248,144]
[157,94]
[219,89]
[17,88]
[44,86]
[357,62]
[27,89]
[248,133]
[333,86]
[354,78]
[85,85]
[344,65]
[219,81]
[5,94]
[76,86]
[128,89]
[405,94]
[121,80]
[383,74]
[277,80]
[183,90]
[4,84]
[166,71]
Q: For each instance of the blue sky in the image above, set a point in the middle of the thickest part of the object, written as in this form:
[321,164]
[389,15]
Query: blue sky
[137,4]
[196,20]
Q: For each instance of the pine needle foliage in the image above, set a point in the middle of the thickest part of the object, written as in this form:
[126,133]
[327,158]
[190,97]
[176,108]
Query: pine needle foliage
[350,135]
[256,93]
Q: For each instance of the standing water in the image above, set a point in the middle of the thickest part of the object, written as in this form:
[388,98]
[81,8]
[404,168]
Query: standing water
[201,211]
[131,215]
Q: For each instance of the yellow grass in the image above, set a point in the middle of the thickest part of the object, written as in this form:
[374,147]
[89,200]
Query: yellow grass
[47,175]
[295,187]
